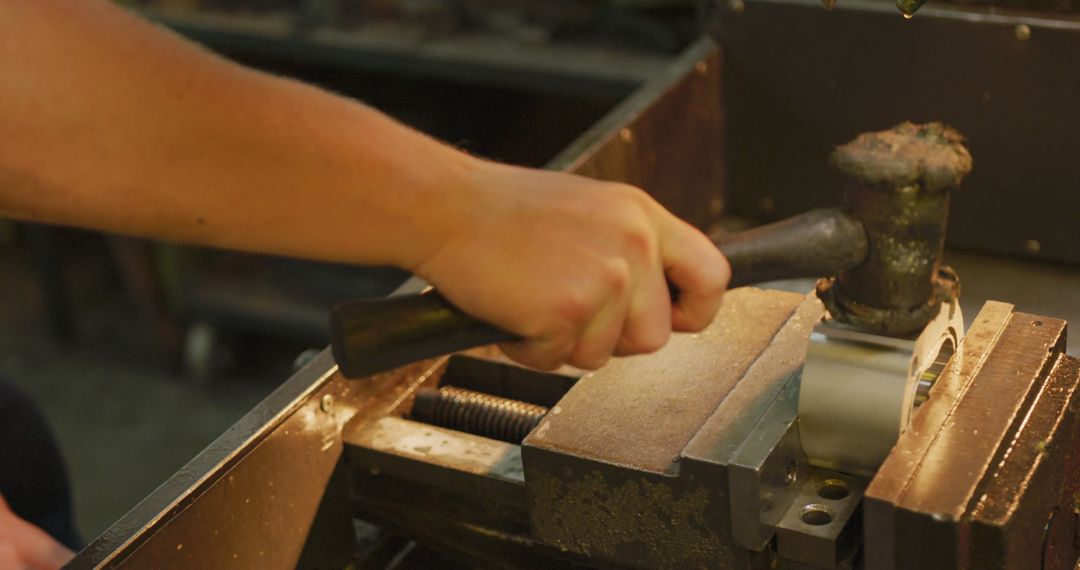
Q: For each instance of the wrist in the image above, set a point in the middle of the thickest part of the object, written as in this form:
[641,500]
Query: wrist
[454,197]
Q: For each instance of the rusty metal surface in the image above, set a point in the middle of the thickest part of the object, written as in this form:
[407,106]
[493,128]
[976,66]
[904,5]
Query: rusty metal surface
[255,497]
[1027,514]
[642,411]
[900,182]
[667,138]
[959,489]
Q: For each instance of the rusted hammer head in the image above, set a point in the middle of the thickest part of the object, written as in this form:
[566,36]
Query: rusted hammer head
[899,185]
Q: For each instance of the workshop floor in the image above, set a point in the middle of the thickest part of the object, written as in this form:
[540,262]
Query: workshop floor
[125,422]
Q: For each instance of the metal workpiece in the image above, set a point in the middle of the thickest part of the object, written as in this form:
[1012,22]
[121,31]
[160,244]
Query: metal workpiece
[899,185]
[820,526]
[819,242]
[477,413]
[988,468]
[859,390]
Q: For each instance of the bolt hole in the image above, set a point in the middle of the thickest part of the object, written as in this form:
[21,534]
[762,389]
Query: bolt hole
[816,515]
[1038,323]
[833,489]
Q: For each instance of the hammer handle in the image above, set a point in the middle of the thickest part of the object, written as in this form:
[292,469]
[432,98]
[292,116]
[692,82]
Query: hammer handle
[374,335]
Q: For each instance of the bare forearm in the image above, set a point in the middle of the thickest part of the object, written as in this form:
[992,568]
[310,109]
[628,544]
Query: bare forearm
[110,124]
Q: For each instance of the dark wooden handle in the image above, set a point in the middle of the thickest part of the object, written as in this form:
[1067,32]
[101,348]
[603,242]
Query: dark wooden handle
[375,335]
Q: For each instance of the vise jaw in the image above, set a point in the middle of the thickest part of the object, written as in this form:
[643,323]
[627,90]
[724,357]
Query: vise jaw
[691,457]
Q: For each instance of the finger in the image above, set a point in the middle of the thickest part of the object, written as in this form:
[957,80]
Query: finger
[33,545]
[601,337]
[9,558]
[695,266]
[541,354]
[648,324]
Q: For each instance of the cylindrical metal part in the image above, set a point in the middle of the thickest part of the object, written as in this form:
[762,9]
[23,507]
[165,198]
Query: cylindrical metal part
[477,413]
[814,244]
[858,390]
[854,399]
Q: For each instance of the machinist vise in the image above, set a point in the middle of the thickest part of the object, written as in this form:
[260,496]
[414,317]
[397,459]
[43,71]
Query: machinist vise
[853,427]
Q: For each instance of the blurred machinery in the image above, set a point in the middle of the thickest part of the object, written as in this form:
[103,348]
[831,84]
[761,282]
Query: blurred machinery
[772,440]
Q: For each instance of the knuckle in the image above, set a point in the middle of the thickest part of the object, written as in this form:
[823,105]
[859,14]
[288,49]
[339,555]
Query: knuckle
[639,239]
[573,308]
[617,275]
[628,212]
[632,193]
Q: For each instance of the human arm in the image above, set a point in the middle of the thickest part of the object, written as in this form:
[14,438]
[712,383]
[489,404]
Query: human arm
[23,545]
[113,124]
